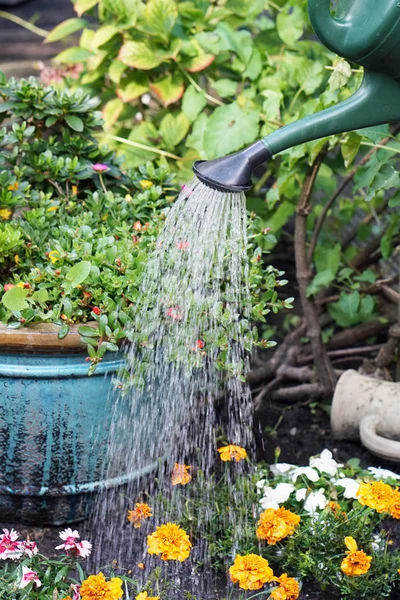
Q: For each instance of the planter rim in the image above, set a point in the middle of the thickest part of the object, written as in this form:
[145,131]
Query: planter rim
[41,337]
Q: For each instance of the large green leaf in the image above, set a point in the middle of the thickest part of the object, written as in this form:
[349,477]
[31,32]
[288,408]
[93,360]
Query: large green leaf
[74,122]
[72,56]
[65,29]
[290,25]
[112,111]
[14,299]
[193,103]
[169,89]
[141,55]
[133,86]
[230,128]
[160,16]
[174,128]
[104,35]
[78,273]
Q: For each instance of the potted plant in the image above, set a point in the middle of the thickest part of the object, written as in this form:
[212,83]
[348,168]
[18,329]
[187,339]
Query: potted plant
[75,232]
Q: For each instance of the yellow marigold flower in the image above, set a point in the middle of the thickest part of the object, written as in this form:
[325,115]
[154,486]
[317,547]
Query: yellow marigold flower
[251,572]
[288,589]
[145,184]
[376,495]
[356,562]
[74,189]
[5,214]
[276,524]
[96,587]
[395,506]
[13,187]
[141,512]
[230,452]
[180,475]
[54,256]
[17,259]
[144,596]
[170,541]
[53,208]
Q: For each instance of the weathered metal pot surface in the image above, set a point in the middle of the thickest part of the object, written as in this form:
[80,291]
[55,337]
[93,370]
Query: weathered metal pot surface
[54,423]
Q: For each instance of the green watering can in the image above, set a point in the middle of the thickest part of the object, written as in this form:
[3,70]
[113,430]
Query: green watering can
[365,32]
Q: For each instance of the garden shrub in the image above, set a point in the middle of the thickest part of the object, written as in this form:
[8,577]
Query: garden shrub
[200,80]
[75,229]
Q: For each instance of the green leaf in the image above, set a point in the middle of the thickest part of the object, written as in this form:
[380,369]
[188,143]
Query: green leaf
[376,133]
[327,257]
[350,148]
[141,55]
[74,122]
[160,16]
[230,128]
[14,299]
[104,35]
[41,295]
[394,200]
[78,273]
[340,75]
[320,281]
[290,25]
[133,86]
[169,89]
[72,56]
[173,129]
[112,111]
[63,331]
[345,310]
[88,331]
[225,87]
[193,103]
[65,29]
[82,6]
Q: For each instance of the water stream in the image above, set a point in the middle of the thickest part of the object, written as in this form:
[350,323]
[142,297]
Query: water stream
[184,381]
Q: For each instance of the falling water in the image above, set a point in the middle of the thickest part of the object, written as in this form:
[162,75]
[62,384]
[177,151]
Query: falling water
[187,358]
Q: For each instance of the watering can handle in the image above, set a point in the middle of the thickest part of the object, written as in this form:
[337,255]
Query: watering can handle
[383,447]
[332,32]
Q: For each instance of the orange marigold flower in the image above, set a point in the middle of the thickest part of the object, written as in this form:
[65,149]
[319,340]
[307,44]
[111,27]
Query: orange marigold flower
[67,598]
[180,474]
[140,565]
[275,524]
[288,589]
[171,541]
[144,596]
[231,452]
[356,562]
[251,572]
[395,506]
[141,512]
[13,186]
[96,586]
[376,495]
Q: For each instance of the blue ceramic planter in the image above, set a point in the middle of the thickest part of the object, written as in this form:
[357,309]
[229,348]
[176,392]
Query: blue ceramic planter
[54,423]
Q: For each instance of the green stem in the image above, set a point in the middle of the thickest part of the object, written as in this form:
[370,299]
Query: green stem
[382,147]
[143,146]
[37,30]
[198,87]
[275,6]
[103,187]
[259,594]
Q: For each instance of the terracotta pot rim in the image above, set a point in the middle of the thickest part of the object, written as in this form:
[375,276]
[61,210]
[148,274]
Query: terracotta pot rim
[41,337]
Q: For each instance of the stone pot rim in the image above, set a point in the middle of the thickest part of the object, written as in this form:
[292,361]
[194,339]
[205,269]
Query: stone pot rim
[41,337]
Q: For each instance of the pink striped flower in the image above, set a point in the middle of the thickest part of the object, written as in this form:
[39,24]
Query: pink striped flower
[27,577]
[10,547]
[100,168]
[72,545]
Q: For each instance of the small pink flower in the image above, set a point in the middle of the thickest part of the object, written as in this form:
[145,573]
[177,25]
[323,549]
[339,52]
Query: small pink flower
[29,548]
[72,546]
[183,186]
[27,577]
[183,245]
[10,548]
[200,344]
[174,313]
[8,286]
[100,168]
[76,592]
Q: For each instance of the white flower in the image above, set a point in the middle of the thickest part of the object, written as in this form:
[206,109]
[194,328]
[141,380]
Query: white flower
[301,494]
[273,497]
[308,472]
[146,99]
[350,487]
[325,463]
[316,500]
[261,484]
[27,576]
[379,473]
[72,546]
[280,468]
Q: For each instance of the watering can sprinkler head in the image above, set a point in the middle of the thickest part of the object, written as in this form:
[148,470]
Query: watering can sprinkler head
[365,33]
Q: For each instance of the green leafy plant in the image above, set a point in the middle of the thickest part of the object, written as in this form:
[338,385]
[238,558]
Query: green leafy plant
[76,231]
